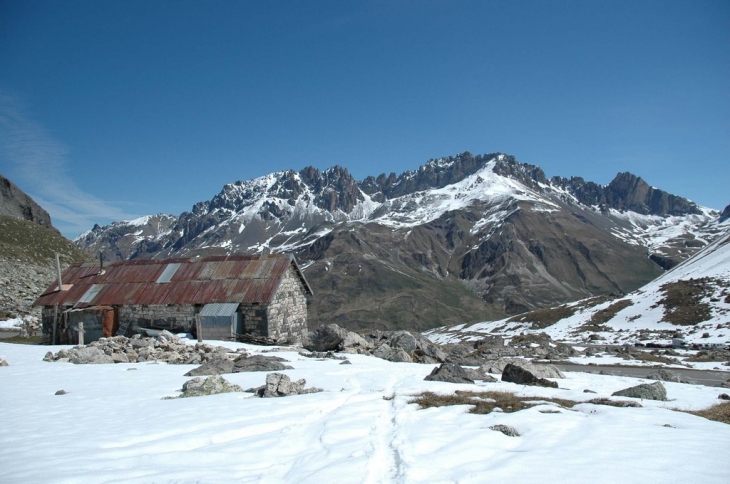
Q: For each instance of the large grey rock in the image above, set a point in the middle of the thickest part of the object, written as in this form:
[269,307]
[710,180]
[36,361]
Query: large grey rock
[90,355]
[280,385]
[326,338]
[517,374]
[209,386]
[646,391]
[383,351]
[215,366]
[449,373]
[403,340]
[540,371]
[259,363]
[399,355]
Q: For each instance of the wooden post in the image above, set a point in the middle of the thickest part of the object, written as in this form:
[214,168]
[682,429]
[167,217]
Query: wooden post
[81,333]
[198,329]
[55,324]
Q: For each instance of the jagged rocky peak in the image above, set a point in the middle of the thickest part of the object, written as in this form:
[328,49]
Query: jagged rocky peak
[436,173]
[528,175]
[629,192]
[334,188]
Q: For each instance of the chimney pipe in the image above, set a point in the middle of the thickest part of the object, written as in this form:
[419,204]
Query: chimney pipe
[101,262]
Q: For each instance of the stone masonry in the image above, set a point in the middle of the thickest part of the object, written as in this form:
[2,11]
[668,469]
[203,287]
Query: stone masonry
[287,313]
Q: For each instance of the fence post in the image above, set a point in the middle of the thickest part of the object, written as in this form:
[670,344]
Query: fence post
[81,334]
[198,329]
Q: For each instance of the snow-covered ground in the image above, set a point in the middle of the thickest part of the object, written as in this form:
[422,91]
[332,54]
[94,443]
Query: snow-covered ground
[114,426]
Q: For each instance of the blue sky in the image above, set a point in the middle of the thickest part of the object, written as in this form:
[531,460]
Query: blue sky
[112,110]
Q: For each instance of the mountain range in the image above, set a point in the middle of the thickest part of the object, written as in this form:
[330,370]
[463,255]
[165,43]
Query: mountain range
[462,238]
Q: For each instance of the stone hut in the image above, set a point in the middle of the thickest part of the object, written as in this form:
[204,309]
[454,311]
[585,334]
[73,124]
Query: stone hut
[261,296]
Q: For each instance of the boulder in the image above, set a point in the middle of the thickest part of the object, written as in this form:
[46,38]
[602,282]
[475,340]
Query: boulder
[540,371]
[449,373]
[399,355]
[326,338]
[517,374]
[214,366]
[210,386]
[120,358]
[88,355]
[383,351]
[259,363]
[403,340]
[280,385]
[646,391]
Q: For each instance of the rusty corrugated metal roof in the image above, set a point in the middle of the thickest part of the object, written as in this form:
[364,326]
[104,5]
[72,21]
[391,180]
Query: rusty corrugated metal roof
[216,279]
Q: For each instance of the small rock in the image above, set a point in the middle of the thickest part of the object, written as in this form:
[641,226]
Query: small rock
[723,396]
[61,392]
[346,362]
[506,430]
[131,369]
[588,391]
[3,362]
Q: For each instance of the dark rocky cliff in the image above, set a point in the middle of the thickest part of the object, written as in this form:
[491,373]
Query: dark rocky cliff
[16,203]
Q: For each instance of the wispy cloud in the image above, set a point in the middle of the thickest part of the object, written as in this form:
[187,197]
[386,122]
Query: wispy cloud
[39,163]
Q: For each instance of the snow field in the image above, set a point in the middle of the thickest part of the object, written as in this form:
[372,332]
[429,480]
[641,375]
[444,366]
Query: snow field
[113,426]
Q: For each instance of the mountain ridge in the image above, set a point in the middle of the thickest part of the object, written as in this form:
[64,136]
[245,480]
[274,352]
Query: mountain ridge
[498,227]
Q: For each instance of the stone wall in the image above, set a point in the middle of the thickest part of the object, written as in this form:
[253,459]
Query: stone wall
[173,318]
[287,313]
[255,319]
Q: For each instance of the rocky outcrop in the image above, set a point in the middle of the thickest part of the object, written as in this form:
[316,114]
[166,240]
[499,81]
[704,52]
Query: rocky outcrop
[16,203]
[538,370]
[450,373]
[280,385]
[396,346]
[645,391]
[212,385]
[516,374]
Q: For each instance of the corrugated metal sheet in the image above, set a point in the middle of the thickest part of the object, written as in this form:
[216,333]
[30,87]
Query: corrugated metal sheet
[219,309]
[168,272]
[218,279]
[91,293]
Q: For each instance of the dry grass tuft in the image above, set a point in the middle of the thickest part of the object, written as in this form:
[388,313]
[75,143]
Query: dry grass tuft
[485,402]
[605,315]
[542,318]
[718,413]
